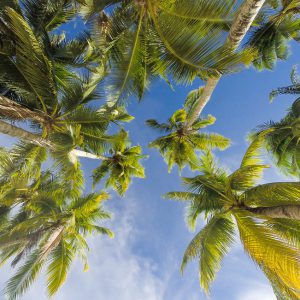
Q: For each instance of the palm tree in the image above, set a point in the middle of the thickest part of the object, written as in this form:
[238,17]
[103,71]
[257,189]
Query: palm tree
[25,161]
[143,39]
[267,217]
[279,23]
[36,80]
[243,20]
[40,86]
[122,165]
[293,89]
[282,138]
[48,227]
[272,24]
[180,143]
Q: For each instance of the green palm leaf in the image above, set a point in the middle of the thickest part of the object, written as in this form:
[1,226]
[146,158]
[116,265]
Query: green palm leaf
[246,177]
[60,261]
[25,275]
[45,15]
[272,194]
[267,250]
[210,245]
[31,60]
[287,228]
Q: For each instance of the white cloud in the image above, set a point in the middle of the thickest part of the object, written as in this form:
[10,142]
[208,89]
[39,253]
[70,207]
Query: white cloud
[257,292]
[116,272]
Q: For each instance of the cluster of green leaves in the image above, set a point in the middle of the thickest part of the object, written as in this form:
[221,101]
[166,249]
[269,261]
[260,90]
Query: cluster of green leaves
[181,143]
[50,82]
[282,138]
[43,222]
[230,203]
[266,216]
[56,79]
[276,25]
[171,39]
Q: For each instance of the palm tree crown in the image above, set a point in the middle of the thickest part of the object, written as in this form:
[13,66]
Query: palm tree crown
[48,227]
[277,24]
[122,165]
[144,39]
[180,144]
[234,201]
[282,138]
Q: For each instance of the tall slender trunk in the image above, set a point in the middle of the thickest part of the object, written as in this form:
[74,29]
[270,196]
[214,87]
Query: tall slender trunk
[52,242]
[246,15]
[283,211]
[36,139]
[24,135]
[80,153]
[13,110]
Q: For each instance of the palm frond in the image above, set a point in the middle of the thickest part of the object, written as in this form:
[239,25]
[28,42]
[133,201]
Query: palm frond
[91,7]
[45,15]
[59,263]
[268,250]
[161,127]
[253,153]
[281,290]
[272,194]
[25,275]
[246,177]
[206,202]
[286,228]
[210,245]
[31,60]
[271,35]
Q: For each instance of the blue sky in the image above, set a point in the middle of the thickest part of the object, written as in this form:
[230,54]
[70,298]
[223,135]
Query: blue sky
[142,261]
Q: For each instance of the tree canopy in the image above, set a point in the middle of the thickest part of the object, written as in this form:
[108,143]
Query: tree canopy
[68,69]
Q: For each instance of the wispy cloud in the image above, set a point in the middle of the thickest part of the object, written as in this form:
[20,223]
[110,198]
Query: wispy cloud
[116,272]
[258,291]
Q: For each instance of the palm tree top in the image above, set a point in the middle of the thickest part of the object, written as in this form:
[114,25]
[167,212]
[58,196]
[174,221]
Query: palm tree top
[293,89]
[121,165]
[235,201]
[49,228]
[181,142]
[275,26]
[142,40]
[282,137]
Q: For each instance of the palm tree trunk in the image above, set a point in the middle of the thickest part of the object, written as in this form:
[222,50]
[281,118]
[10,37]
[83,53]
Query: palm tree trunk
[24,135]
[246,15]
[283,211]
[12,110]
[52,242]
[80,153]
[36,139]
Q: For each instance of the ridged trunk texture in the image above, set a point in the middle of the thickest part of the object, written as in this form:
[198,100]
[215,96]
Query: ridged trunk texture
[24,135]
[36,139]
[11,110]
[246,15]
[52,242]
[283,211]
